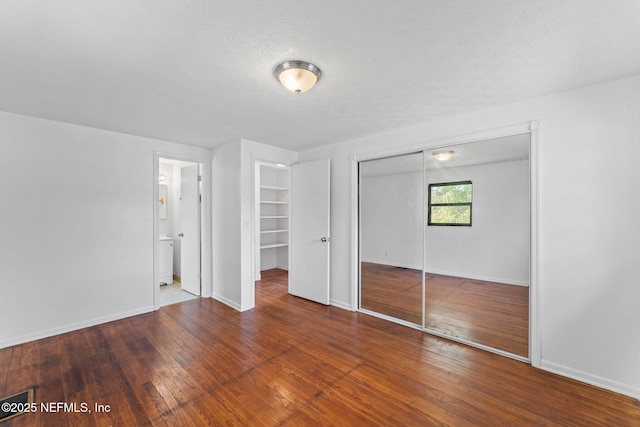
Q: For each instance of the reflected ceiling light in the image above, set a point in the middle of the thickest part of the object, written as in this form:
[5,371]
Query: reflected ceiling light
[443,156]
[297,76]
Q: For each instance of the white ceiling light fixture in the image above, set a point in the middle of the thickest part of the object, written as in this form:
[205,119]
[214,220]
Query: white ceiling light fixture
[443,156]
[297,76]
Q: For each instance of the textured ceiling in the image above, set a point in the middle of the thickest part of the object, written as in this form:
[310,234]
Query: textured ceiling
[200,71]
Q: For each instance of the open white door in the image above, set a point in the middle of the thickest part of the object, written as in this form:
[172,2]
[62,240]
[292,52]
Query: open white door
[190,230]
[309,234]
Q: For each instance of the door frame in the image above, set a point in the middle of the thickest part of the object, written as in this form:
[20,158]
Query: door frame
[257,162]
[532,128]
[206,238]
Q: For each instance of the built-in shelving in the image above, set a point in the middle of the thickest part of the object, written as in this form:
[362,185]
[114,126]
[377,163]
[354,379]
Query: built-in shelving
[272,188]
[274,231]
[273,245]
[273,206]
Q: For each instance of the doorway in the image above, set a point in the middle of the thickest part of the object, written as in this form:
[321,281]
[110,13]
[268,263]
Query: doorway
[180,230]
[272,196]
[292,227]
[445,242]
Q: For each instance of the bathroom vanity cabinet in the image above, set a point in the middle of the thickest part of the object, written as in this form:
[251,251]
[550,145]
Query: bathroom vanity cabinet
[166,260]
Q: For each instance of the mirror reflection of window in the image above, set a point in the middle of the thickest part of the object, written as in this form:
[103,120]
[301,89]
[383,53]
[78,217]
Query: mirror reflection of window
[477,273]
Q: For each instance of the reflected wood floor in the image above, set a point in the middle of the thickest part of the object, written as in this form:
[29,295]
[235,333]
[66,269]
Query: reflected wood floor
[289,362]
[489,313]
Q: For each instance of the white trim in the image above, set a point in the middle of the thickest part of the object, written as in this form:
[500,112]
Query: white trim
[535,340]
[394,264]
[257,162]
[588,378]
[156,232]
[390,319]
[74,327]
[423,257]
[256,256]
[227,302]
[206,241]
[340,304]
[355,235]
[481,278]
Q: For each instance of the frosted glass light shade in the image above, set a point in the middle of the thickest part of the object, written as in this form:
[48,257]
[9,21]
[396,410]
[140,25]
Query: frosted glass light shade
[297,76]
[443,156]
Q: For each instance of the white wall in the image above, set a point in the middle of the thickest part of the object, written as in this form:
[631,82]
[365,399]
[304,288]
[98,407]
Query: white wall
[77,246]
[589,164]
[166,225]
[391,215]
[226,200]
[495,248]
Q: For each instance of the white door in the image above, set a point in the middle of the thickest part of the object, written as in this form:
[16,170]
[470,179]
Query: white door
[309,234]
[190,229]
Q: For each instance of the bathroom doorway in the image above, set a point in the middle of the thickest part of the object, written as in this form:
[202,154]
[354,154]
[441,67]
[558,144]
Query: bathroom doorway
[180,213]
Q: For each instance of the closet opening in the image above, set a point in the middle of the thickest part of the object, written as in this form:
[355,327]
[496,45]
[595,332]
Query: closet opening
[445,242]
[272,224]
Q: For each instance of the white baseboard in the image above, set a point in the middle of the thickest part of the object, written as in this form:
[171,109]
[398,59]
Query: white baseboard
[454,273]
[482,278]
[228,302]
[73,327]
[272,266]
[340,304]
[393,264]
[595,380]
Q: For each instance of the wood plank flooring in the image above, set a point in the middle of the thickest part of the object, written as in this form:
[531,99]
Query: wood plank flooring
[493,314]
[289,362]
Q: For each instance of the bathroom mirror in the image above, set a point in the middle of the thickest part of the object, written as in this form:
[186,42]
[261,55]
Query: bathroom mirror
[162,201]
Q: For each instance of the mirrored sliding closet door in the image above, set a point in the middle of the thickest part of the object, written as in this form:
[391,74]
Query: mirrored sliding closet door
[391,239]
[445,241]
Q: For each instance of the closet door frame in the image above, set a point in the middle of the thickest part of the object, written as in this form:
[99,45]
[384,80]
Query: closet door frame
[531,128]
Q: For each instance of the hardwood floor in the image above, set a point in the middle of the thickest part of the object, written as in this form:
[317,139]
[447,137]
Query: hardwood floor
[488,313]
[289,362]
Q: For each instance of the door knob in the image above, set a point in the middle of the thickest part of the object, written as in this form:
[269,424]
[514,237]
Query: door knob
[181,235]
[325,239]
